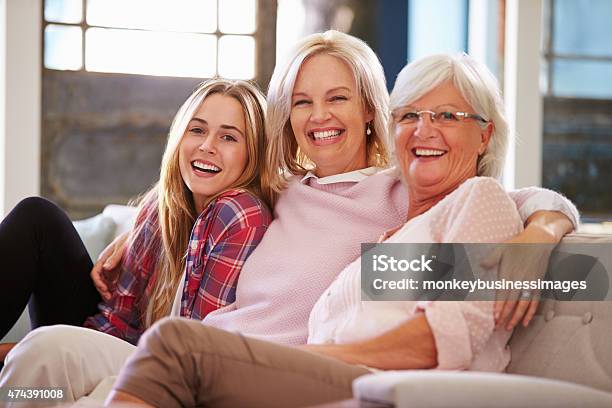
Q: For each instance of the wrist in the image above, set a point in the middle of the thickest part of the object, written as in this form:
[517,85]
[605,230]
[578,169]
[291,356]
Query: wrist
[342,352]
[541,234]
[549,226]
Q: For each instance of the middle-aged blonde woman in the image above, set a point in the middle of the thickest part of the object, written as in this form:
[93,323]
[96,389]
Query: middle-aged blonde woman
[327,140]
[450,137]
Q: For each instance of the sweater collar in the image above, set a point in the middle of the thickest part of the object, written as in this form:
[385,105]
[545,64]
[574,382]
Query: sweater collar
[354,176]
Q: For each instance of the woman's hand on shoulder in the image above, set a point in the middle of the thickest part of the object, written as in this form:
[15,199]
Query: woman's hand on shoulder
[106,269]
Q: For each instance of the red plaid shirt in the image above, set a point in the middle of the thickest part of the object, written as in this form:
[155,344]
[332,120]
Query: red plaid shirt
[222,238]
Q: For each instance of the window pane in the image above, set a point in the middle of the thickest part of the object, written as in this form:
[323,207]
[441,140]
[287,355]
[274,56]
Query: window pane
[163,15]
[64,11]
[583,27]
[237,57]
[153,53]
[577,166]
[577,152]
[63,47]
[237,16]
[591,79]
[449,17]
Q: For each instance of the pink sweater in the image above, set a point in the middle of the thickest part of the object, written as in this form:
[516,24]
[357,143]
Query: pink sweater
[316,233]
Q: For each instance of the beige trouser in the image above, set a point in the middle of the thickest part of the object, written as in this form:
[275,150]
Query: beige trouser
[183,363]
[73,358]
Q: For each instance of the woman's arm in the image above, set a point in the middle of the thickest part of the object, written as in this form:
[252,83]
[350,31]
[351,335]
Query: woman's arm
[122,315]
[531,200]
[106,270]
[409,346]
[547,216]
[549,226]
[542,227]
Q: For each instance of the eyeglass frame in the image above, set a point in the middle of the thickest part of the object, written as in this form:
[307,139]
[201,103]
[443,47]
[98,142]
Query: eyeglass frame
[432,116]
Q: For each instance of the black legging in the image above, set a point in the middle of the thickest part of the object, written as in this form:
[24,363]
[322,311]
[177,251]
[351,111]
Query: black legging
[43,261]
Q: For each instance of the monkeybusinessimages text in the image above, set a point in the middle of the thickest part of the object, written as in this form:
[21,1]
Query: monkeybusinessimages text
[386,263]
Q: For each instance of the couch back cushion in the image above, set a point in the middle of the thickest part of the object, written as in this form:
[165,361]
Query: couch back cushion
[569,341]
[96,233]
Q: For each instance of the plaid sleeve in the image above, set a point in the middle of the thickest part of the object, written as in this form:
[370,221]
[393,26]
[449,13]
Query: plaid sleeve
[122,316]
[221,241]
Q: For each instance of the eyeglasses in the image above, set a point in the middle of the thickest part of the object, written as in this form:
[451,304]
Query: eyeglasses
[411,117]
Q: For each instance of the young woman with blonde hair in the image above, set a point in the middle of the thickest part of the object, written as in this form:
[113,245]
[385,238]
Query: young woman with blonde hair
[194,230]
[232,202]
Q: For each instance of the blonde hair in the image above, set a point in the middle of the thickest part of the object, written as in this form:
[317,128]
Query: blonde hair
[283,156]
[476,84]
[175,205]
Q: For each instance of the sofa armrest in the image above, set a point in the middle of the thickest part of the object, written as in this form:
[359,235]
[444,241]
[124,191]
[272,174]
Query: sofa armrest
[421,388]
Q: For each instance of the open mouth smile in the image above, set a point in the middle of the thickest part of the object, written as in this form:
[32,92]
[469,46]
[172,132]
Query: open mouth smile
[427,153]
[205,167]
[322,137]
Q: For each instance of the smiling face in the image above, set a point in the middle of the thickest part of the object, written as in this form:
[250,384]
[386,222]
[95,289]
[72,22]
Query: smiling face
[328,116]
[435,160]
[213,150]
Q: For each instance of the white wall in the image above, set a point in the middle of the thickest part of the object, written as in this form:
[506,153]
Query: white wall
[20,101]
[522,92]
[483,27]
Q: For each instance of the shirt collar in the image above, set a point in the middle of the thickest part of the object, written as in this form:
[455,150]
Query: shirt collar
[354,176]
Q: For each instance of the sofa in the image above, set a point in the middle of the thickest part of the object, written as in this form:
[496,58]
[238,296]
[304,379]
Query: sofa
[563,359]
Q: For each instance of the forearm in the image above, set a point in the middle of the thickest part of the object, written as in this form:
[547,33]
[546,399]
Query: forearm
[409,346]
[548,226]
[121,322]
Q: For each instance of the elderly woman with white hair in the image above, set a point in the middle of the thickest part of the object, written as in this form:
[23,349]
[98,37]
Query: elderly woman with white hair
[450,139]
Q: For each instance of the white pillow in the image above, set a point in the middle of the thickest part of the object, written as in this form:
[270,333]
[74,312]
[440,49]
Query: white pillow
[124,216]
[96,233]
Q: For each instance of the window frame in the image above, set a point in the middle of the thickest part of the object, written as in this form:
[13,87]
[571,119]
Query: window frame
[265,14]
[550,56]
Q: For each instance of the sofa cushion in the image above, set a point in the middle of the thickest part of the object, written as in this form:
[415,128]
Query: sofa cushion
[96,233]
[123,216]
[442,389]
[568,340]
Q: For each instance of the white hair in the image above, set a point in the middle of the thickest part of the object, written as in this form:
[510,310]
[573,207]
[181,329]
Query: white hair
[476,84]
